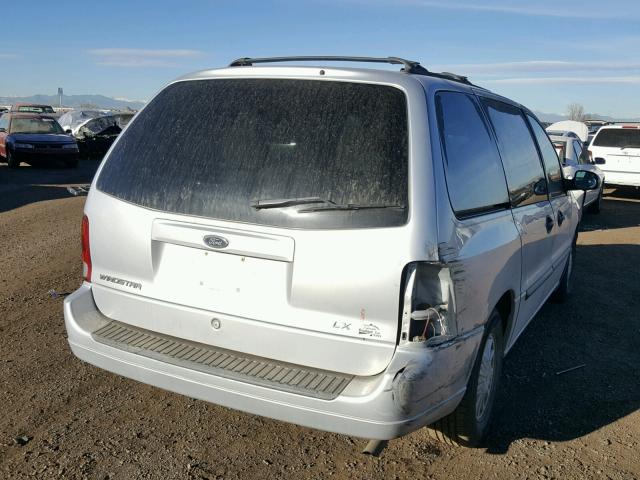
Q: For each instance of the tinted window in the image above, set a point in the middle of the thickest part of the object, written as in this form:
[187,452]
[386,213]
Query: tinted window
[560,147]
[618,137]
[213,147]
[525,177]
[549,157]
[475,178]
[578,151]
[4,121]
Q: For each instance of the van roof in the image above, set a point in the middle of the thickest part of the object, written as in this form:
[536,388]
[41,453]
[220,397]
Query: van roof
[247,66]
[408,66]
[630,125]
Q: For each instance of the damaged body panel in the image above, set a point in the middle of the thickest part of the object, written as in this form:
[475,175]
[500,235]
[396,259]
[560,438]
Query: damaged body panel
[95,130]
[433,375]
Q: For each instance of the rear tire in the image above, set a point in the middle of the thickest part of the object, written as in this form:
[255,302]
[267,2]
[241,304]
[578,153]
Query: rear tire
[12,161]
[563,291]
[468,424]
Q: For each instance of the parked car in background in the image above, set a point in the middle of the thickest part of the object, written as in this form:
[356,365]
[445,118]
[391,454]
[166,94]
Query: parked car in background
[569,128]
[575,156]
[95,131]
[594,125]
[32,108]
[348,249]
[75,118]
[35,139]
[616,150]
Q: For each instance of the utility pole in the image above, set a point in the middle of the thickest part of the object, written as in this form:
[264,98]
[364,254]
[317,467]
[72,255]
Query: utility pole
[60,97]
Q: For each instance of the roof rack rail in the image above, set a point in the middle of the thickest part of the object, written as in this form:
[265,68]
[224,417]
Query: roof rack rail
[408,66]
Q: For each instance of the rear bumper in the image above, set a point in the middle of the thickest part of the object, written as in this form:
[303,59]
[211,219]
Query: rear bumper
[626,179]
[419,386]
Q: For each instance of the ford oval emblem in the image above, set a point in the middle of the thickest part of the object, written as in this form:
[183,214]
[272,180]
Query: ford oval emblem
[216,241]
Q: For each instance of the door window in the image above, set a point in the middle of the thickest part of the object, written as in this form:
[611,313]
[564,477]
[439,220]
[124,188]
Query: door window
[475,178]
[578,151]
[525,177]
[549,157]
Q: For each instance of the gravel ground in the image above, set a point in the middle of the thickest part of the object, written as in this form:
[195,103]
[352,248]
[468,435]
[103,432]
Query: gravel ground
[62,418]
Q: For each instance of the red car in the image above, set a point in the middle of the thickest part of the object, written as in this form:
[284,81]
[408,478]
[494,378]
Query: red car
[34,138]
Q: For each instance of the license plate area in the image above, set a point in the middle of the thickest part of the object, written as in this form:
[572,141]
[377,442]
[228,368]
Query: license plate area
[241,285]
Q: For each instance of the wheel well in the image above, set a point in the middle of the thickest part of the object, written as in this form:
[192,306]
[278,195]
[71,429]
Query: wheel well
[505,309]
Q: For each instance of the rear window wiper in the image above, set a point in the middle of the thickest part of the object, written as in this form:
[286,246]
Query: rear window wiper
[629,146]
[328,205]
[287,202]
[350,206]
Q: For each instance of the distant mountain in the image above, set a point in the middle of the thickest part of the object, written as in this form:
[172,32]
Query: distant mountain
[555,117]
[549,117]
[95,101]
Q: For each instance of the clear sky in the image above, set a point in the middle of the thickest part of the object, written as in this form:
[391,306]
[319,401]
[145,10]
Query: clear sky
[544,54]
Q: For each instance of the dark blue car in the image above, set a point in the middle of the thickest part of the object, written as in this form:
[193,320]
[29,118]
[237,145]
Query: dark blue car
[35,139]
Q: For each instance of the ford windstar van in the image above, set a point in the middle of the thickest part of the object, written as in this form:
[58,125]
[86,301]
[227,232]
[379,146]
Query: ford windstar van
[349,249]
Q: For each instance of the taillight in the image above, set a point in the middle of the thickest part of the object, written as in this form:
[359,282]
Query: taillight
[590,156]
[86,251]
[427,306]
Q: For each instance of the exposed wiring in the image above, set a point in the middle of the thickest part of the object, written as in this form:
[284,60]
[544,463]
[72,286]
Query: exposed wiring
[426,324]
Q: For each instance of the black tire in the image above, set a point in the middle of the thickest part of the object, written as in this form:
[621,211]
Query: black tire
[12,161]
[595,206]
[563,291]
[468,424]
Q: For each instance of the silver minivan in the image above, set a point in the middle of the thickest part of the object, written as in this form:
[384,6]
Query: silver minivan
[348,249]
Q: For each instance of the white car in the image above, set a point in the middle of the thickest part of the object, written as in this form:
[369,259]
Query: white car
[574,156]
[616,150]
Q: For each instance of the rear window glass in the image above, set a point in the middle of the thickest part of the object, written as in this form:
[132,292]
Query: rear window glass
[618,137]
[211,148]
[35,109]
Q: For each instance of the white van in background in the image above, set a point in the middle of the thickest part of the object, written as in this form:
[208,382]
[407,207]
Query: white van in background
[616,150]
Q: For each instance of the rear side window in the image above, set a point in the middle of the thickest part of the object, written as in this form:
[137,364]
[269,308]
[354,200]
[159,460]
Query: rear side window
[522,166]
[618,137]
[578,151]
[549,157]
[475,178]
[211,148]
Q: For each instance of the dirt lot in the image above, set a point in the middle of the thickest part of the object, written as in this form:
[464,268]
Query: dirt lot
[81,422]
